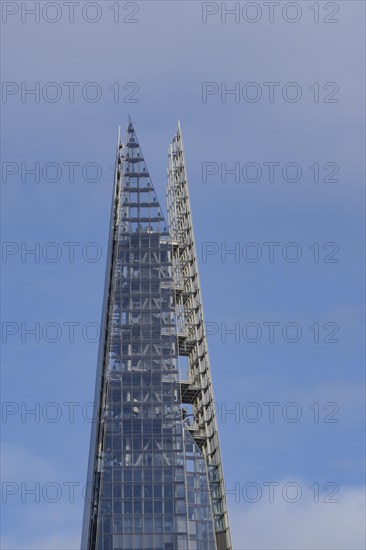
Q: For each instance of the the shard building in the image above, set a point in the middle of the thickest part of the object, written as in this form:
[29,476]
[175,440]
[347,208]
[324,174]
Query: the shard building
[155,473]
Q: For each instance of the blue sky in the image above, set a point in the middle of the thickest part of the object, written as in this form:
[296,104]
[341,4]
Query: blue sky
[168,54]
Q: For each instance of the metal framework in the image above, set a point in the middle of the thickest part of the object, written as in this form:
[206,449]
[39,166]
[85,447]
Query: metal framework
[197,389]
[155,471]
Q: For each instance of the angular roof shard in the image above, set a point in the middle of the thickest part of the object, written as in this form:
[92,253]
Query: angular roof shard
[141,210]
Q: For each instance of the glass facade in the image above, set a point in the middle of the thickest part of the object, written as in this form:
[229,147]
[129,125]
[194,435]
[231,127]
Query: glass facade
[149,477]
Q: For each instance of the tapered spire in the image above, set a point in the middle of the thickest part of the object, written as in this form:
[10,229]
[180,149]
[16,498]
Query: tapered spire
[148,475]
[154,469]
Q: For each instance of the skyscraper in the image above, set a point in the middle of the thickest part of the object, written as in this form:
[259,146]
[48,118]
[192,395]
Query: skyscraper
[155,473]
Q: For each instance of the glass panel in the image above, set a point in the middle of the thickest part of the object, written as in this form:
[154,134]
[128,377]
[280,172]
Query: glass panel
[157,496]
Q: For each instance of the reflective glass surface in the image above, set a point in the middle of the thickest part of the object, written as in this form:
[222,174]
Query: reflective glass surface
[152,477]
